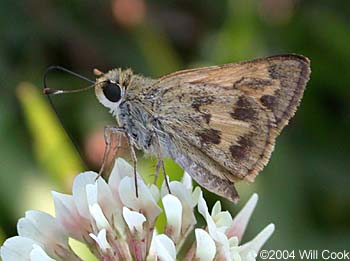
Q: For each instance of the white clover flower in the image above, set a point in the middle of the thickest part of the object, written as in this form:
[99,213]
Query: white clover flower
[117,225]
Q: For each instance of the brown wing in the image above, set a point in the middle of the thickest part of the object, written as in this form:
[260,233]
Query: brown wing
[233,113]
[281,76]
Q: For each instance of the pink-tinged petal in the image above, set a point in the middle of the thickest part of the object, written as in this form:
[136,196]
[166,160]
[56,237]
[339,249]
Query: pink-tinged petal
[144,203]
[241,220]
[38,254]
[31,227]
[16,248]
[100,193]
[134,220]
[67,215]
[173,212]
[256,244]
[47,232]
[79,191]
[106,200]
[205,248]
[164,247]
[120,170]
[101,240]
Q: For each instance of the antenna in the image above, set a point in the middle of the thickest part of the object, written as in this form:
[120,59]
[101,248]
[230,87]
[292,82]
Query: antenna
[48,91]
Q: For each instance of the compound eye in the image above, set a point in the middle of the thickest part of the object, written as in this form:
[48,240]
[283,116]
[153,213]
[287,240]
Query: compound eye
[112,91]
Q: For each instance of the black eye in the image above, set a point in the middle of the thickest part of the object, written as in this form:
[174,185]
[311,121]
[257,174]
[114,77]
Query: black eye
[112,91]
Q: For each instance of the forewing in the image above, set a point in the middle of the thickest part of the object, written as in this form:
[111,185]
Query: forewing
[233,113]
[276,82]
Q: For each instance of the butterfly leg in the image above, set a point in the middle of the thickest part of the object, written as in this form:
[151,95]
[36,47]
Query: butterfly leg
[108,135]
[109,131]
[118,146]
[160,165]
[166,177]
[156,172]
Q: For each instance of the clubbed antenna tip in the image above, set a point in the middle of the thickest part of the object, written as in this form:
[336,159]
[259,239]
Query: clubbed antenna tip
[49,91]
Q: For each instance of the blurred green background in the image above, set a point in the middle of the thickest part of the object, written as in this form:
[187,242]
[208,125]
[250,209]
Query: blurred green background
[304,189]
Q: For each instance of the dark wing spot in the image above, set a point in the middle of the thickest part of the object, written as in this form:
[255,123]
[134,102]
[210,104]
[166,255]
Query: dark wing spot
[209,136]
[269,101]
[243,110]
[282,72]
[274,71]
[242,102]
[252,82]
[180,97]
[197,102]
[206,117]
[244,114]
[237,152]
[240,151]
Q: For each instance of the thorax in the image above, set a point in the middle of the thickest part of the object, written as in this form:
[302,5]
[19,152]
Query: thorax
[137,117]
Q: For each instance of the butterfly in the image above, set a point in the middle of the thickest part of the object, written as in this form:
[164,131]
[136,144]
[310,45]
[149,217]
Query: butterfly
[219,123]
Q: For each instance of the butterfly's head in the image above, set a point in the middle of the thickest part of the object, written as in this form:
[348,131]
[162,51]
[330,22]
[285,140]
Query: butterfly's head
[110,87]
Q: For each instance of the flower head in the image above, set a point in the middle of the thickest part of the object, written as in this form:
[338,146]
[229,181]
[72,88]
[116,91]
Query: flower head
[117,225]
